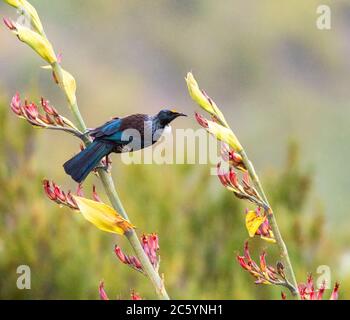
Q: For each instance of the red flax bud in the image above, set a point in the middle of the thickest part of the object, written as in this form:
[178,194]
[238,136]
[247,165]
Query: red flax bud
[59,121]
[95,196]
[131,261]
[9,24]
[136,262]
[59,58]
[229,179]
[233,178]
[31,111]
[263,262]
[16,104]
[221,175]
[150,244]
[50,110]
[335,294]
[46,119]
[43,116]
[309,292]
[55,193]
[102,292]
[119,253]
[59,193]
[201,120]
[70,200]
[232,157]
[47,188]
[243,263]
[321,291]
[263,273]
[135,296]
[235,157]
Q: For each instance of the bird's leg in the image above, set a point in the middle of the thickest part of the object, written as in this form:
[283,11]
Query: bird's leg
[105,164]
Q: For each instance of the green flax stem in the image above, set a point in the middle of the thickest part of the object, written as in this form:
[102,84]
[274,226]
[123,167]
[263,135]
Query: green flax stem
[112,194]
[273,223]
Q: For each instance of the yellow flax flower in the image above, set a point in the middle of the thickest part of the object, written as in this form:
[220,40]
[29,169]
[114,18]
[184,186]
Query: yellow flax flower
[102,216]
[224,134]
[69,85]
[30,11]
[37,42]
[257,224]
[203,100]
[220,132]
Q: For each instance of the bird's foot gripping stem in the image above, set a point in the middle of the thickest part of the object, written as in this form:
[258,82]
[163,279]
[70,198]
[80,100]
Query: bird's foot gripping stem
[105,164]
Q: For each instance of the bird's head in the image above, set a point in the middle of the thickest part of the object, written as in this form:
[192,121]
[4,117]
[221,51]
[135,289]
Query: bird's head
[166,116]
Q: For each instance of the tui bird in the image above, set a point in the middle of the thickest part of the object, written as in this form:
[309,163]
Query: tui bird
[119,135]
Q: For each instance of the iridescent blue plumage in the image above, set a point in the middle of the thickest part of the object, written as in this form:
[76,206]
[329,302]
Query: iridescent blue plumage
[135,132]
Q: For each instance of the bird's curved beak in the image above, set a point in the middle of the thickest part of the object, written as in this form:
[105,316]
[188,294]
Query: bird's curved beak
[180,114]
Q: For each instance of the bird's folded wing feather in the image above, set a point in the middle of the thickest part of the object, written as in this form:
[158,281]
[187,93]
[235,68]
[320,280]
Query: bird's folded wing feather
[109,128]
[114,129]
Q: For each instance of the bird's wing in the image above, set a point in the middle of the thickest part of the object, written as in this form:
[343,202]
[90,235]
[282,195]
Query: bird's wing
[109,128]
[116,130]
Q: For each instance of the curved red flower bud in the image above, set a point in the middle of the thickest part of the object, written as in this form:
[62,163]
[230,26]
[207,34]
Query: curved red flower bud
[49,192]
[221,175]
[246,179]
[321,291]
[59,57]
[136,262]
[263,261]
[132,261]
[16,104]
[154,241]
[102,292]
[59,121]
[9,24]
[31,111]
[201,120]
[235,157]
[233,178]
[243,264]
[46,119]
[135,296]
[150,246]
[71,201]
[246,252]
[335,293]
[95,196]
[310,283]
[59,193]
[47,108]
[119,253]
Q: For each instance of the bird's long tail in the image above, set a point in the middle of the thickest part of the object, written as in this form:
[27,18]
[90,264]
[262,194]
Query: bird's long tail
[80,165]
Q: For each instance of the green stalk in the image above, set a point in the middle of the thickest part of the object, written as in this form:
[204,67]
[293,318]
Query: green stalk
[273,223]
[112,194]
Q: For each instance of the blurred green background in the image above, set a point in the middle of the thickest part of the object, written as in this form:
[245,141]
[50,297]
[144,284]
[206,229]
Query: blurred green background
[284,87]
